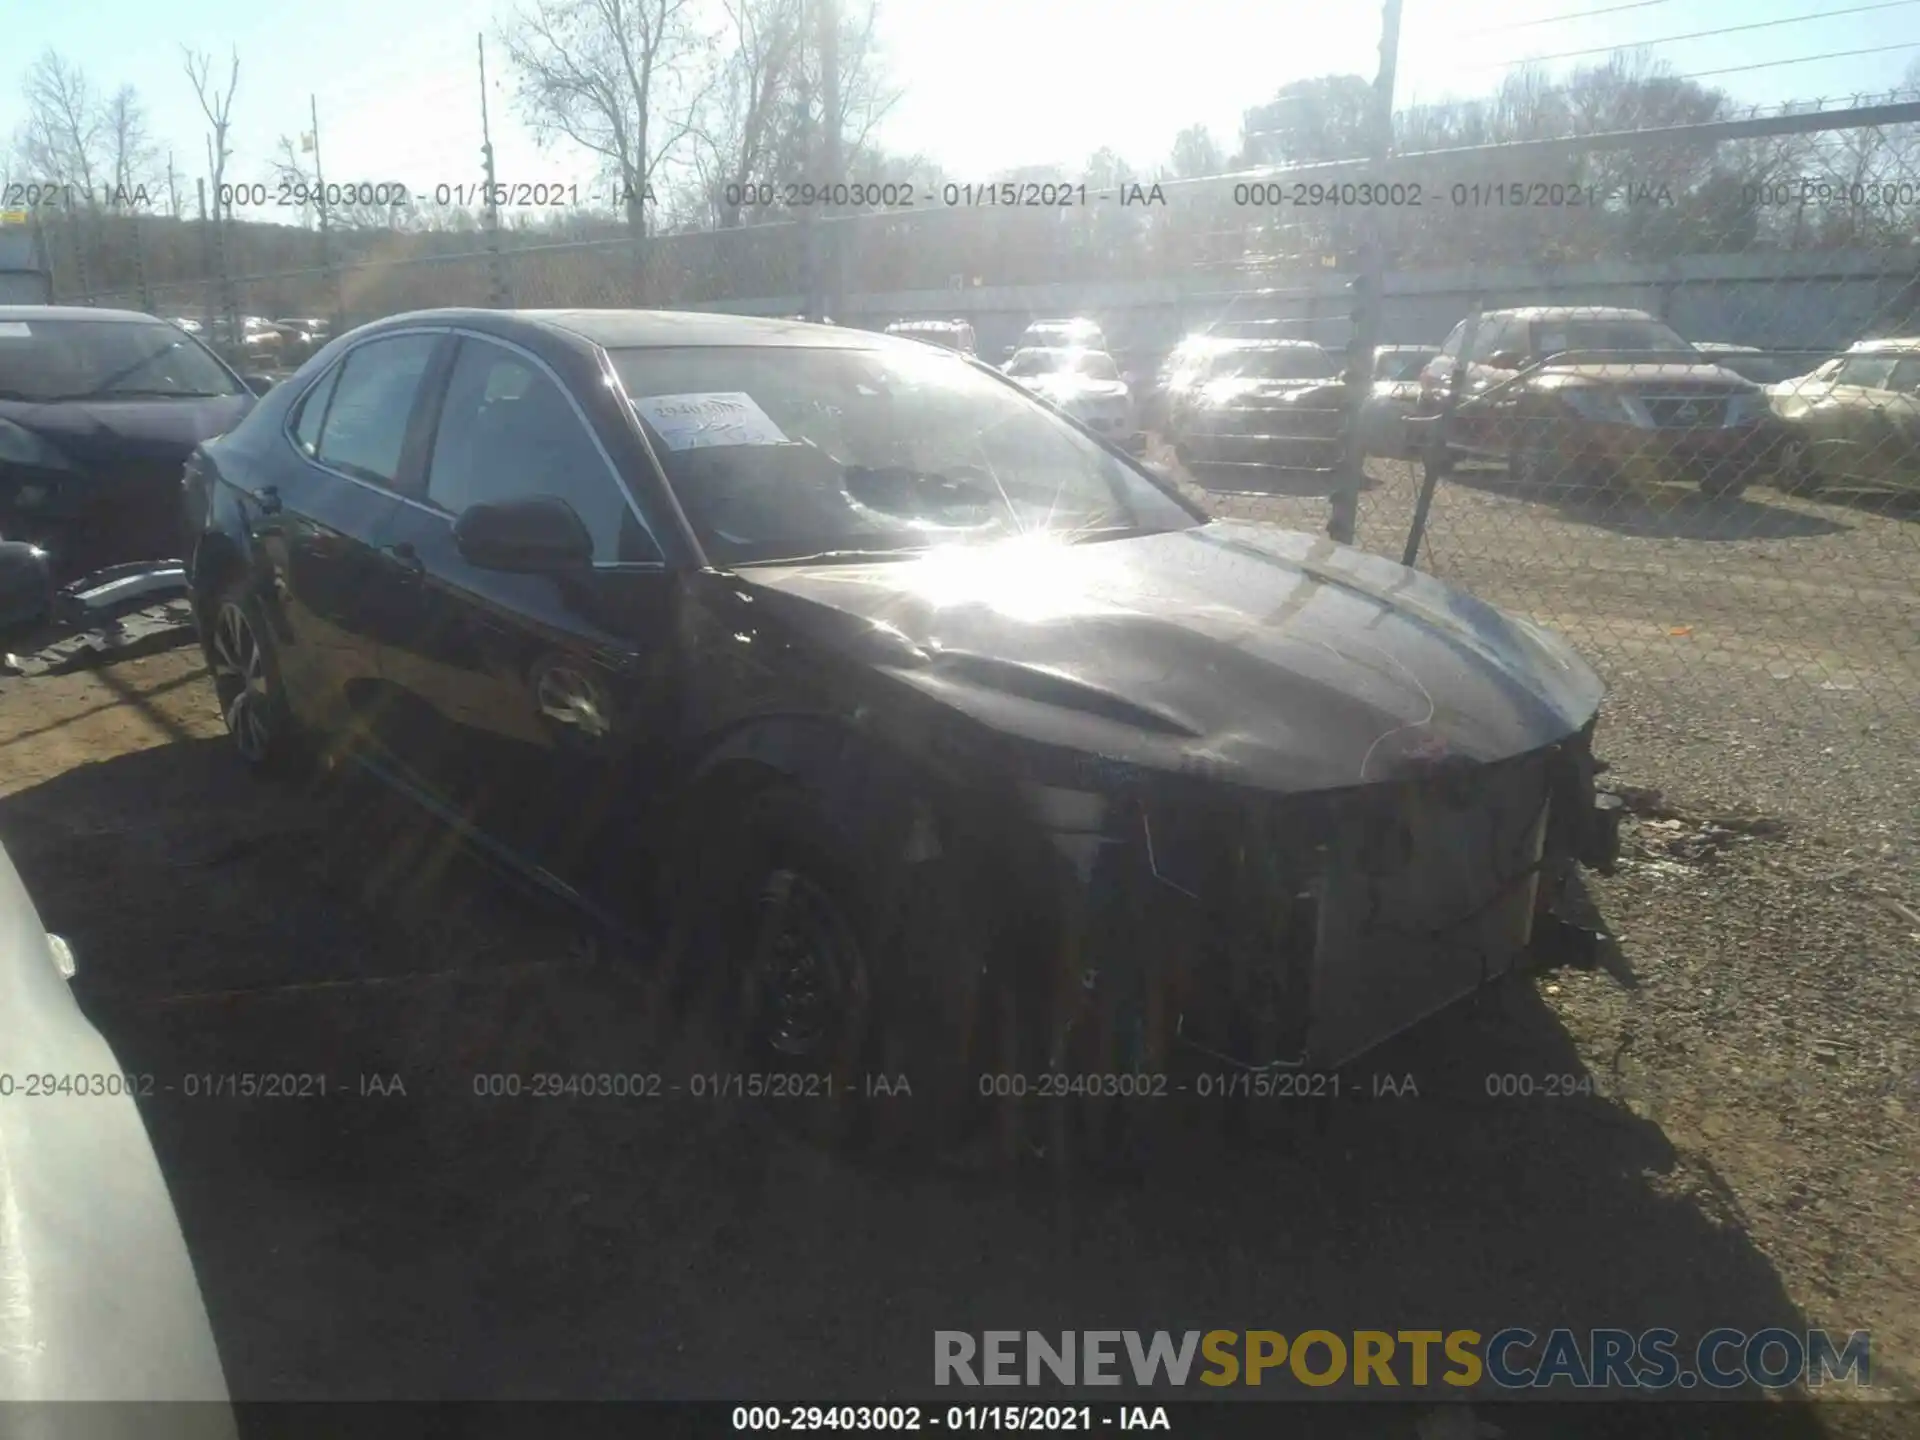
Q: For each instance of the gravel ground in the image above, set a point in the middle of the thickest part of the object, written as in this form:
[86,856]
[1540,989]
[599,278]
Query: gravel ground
[1748,1156]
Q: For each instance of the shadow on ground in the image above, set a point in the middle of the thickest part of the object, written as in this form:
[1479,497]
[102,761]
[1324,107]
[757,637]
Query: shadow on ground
[406,1236]
[1669,512]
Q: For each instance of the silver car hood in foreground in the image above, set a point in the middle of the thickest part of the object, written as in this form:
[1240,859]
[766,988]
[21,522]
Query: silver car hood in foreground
[98,1299]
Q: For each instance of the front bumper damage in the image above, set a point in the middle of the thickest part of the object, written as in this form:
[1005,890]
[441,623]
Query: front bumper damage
[1302,931]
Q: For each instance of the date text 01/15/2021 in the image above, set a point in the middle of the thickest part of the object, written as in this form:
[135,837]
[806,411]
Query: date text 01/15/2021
[902,1419]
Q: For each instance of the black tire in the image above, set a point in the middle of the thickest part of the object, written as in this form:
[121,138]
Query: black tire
[244,661]
[791,948]
[1795,467]
[1530,467]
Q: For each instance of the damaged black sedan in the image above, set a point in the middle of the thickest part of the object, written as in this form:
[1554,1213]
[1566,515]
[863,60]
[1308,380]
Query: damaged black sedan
[98,411]
[937,738]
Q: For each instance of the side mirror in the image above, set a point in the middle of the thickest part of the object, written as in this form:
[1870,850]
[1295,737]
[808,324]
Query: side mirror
[259,384]
[538,536]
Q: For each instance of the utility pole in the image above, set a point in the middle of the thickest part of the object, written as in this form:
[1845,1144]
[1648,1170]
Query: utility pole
[206,258]
[830,256]
[1344,509]
[338,317]
[496,261]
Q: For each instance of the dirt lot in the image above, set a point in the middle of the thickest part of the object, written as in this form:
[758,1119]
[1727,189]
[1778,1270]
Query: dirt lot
[1750,1158]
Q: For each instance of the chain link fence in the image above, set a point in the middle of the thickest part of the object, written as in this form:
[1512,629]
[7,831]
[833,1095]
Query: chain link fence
[1659,390]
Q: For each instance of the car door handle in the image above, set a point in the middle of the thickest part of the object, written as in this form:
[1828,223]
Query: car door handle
[268,499]
[406,557]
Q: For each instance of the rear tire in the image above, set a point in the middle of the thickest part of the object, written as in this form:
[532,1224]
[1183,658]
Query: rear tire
[1796,469]
[245,664]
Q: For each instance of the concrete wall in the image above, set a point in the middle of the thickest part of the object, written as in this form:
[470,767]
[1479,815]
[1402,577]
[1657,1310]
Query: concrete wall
[1819,300]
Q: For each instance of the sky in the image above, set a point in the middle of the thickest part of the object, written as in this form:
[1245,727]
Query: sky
[988,84]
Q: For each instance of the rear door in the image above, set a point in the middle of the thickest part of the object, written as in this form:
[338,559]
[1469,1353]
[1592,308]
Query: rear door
[317,516]
[540,699]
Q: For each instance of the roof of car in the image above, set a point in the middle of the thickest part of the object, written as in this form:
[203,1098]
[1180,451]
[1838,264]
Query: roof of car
[642,329]
[1567,312]
[1898,344]
[69,312]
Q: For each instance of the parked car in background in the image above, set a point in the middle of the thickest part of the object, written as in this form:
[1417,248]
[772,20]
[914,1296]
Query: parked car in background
[1855,420]
[1075,334]
[98,1297]
[99,409]
[897,692]
[1266,403]
[1586,396]
[1395,395]
[1175,374]
[1763,367]
[303,334]
[952,334]
[1084,383]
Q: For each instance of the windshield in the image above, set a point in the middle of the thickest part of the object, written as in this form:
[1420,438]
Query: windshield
[779,453]
[1036,362]
[90,359]
[1553,337]
[1291,362]
[1095,365]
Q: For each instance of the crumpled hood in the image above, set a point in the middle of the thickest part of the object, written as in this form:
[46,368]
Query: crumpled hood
[106,432]
[1268,655]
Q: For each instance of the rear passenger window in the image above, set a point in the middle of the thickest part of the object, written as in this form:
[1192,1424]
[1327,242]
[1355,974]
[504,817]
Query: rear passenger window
[313,412]
[365,429]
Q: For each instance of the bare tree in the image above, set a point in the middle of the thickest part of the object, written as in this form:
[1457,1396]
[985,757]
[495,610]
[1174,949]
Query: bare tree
[218,108]
[131,155]
[622,79]
[738,137]
[62,139]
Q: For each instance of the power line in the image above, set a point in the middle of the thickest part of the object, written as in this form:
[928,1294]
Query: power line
[1699,35]
[1557,19]
[1802,60]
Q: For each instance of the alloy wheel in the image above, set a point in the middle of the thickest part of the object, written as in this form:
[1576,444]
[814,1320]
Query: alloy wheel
[240,681]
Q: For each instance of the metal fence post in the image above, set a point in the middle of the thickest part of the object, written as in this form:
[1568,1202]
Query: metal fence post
[210,300]
[85,280]
[1433,461]
[1345,501]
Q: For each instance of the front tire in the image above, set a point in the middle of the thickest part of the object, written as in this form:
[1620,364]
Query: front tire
[867,986]
[245,665]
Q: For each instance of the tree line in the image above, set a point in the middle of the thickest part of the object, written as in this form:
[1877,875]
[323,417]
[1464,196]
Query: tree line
[700,114]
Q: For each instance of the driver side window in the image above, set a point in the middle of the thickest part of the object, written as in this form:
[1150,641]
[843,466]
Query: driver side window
[507,432]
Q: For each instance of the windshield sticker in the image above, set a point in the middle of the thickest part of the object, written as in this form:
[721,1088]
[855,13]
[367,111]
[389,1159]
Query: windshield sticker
[721,417]
[14,330]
